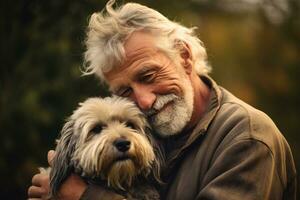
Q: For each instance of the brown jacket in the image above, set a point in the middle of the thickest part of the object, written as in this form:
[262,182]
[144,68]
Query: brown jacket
[235,152]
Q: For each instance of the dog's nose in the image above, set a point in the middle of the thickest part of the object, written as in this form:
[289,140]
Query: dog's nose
[122,144]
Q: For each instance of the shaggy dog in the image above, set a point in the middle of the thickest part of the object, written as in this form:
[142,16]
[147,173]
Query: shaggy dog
[106,141]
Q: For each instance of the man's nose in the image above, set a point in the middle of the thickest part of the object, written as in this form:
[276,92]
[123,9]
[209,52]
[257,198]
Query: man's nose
[144,98]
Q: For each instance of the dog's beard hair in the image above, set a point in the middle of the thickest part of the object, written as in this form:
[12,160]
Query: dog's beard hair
[95,156]
[121,174]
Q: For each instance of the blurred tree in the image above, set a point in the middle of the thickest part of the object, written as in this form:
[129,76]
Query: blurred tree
[41,55]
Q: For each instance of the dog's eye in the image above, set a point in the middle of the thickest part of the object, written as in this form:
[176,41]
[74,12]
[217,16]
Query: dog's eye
[130,125]
[97,129]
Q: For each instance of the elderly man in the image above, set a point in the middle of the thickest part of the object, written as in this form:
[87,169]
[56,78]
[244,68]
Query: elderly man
[217,146]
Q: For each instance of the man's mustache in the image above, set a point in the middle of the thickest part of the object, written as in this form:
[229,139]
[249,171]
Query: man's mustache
[160,102]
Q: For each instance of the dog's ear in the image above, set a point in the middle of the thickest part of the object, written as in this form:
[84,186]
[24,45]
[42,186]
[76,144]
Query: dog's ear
[61,167]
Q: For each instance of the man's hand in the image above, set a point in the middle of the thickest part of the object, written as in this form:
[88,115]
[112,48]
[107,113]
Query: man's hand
[40,187]
[40,183]
[71,189]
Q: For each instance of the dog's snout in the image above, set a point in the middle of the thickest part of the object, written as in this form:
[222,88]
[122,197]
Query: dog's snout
[122,144]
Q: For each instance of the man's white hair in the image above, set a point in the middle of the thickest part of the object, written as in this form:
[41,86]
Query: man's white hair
[108,30]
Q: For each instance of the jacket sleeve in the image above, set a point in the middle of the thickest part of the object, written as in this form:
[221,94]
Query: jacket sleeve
[94,192]
[246,170]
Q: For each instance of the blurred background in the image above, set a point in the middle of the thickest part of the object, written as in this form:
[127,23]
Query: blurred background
[253,47]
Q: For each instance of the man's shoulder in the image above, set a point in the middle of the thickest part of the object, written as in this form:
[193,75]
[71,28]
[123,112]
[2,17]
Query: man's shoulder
[247,122]
[234,113]
[241,122]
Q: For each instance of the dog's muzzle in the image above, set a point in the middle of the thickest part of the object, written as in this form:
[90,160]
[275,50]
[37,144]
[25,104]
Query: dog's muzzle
[122,144]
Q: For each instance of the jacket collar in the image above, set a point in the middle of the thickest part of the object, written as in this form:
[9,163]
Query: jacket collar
[212,108]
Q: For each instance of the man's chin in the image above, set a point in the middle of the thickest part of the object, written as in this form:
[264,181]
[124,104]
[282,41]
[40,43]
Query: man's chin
[171,119]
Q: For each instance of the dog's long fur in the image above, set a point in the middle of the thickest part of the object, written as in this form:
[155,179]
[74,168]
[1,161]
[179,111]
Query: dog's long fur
[89,145]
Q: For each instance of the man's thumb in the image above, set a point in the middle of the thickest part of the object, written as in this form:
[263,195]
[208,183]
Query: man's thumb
[50,156]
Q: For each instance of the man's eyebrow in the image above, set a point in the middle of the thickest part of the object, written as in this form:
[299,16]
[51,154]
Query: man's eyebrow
[145,70]
[136,76]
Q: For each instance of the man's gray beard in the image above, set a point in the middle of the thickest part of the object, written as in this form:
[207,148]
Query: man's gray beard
[172,120]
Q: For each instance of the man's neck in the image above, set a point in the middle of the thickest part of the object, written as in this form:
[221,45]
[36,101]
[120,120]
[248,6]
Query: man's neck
[201,99]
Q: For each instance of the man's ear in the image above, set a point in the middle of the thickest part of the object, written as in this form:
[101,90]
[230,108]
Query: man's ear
[185,55]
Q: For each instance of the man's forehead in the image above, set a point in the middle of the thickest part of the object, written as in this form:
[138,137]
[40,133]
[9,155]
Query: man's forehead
[142,51]
[133,61]
[137,42]
[139,49]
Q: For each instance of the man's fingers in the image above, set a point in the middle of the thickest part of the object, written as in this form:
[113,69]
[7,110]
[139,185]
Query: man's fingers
[40,179]
[36,180]
[40,187]
[40,182]
[36,192]
[50,156]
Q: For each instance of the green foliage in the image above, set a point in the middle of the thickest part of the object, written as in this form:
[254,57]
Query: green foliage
[252,54]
